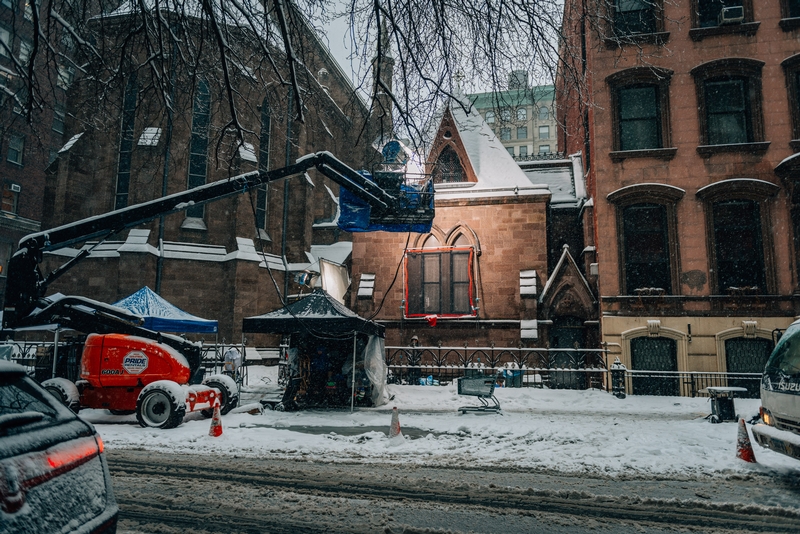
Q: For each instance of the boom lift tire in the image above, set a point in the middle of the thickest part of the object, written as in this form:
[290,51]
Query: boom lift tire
[65,391]
[229,394]
[158,408]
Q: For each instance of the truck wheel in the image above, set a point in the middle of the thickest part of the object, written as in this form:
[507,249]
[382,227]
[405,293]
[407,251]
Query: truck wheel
[157,409]
[65,391]
[229,397]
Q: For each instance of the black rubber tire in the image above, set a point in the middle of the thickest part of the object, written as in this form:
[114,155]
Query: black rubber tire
[227,402]
[156,409]
[58,394]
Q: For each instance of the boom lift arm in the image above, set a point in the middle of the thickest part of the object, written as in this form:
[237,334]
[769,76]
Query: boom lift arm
[25,304]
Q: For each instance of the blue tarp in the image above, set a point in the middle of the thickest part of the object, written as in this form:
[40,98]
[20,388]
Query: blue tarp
[355,214]
[161,316]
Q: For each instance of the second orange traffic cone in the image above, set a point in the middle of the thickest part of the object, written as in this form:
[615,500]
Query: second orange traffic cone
[394,429]
[744,449]
[216,422]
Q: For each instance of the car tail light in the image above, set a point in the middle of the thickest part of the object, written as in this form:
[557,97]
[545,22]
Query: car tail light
[25,472]
[766,416]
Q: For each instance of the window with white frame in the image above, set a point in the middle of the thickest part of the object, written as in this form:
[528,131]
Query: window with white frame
[5,42]
[59,116]
[544,132]
[505,134]
[523,150]
[11,192]
[522,132]
[66,74]
[490,117]
[16,148]
[522,114]
[544,113]
[544,149]
[25,49]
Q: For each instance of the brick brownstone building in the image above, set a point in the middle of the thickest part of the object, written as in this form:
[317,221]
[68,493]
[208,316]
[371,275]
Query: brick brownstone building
[684,113]
[481,276]
[26,147]
[231,258]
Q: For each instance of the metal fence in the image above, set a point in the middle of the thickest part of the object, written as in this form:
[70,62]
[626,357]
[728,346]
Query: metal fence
[519,367]
[553,369]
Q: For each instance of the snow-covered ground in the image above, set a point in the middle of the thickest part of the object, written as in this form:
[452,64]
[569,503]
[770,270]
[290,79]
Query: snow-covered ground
[563,430]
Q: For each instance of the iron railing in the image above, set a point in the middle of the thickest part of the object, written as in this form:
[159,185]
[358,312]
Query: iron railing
[519,366]
[551,368]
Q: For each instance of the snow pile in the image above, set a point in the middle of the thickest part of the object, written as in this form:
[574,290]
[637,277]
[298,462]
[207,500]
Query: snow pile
[565,430]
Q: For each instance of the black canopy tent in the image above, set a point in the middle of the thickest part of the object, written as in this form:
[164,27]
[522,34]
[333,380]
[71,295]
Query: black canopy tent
[319,323]
[318,312]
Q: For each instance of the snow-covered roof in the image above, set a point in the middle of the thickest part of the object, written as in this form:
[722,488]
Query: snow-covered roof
[497,173]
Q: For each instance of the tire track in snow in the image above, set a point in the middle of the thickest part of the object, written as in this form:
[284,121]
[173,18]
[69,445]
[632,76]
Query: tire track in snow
[278,496]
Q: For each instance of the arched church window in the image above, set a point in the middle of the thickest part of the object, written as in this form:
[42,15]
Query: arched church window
[448,168]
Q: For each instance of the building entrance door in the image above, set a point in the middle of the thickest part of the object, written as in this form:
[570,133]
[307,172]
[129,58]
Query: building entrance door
[655,354]
[567,333]
[747,355]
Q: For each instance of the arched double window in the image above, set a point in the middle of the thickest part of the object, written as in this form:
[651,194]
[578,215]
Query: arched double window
[440,278]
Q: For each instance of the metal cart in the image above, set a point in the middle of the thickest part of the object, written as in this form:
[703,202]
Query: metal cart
[481,387]
[722,408]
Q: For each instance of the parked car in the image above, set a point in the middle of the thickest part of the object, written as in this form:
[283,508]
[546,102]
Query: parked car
[53,474]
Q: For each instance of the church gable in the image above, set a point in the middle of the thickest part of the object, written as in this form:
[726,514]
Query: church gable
[567,293]
[448,159]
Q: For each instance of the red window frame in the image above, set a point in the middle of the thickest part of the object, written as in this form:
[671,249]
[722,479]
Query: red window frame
[414,292]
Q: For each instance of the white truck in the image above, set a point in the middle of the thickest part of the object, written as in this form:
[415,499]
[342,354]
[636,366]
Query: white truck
[780,397]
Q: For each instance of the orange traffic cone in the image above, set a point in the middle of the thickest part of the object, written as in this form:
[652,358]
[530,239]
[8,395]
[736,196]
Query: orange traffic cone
[394,429]
[216,422]
[744,449]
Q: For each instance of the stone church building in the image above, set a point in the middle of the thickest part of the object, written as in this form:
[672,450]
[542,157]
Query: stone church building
[483,275]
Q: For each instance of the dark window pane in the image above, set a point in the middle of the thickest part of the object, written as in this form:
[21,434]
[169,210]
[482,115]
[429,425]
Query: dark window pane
[126,142]
[794,7]
[198,146]
[460,282]
[261,207]
[738,245]
[264,140]
[639,118]
[634,16]
[727,109]
[646,242]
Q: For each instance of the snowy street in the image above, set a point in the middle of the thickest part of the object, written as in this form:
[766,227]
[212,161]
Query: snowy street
[637,448]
